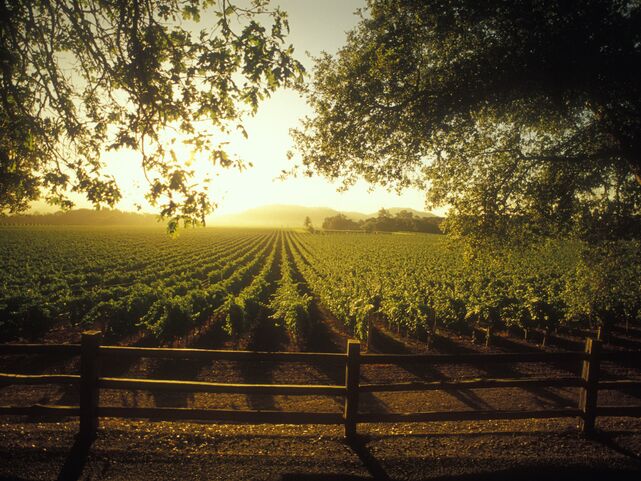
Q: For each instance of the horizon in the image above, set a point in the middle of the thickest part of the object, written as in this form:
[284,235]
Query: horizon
[281,215]
[57,210]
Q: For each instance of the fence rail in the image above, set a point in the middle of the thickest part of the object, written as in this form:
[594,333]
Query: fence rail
[474,384]
[230,415]
[219,388]
[39,379]
[466,415]
[67,349]
[208,354]
[482,358]
[90,383]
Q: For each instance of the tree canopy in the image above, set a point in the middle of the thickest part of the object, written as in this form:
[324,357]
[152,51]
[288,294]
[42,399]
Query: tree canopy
[82,77]
[403,221]
[340,222]
[520,115]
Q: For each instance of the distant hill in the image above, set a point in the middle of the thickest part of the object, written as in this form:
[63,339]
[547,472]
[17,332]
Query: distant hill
[82,217]
[293,216]
[275,216]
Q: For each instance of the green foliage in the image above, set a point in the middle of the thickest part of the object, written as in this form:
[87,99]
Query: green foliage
[120,280]
[308,225]
[403,221]
[169,317]
[340,222]
[141,281]
[235,316]
[418,281]
[522,117]
[288,303]
[81,78]
[241,310]
[293,308]
[605,285]
[24,317]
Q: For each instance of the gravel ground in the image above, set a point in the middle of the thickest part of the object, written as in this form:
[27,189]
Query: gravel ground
[531,449]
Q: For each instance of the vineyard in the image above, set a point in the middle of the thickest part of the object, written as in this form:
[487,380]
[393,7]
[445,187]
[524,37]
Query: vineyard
[186,325]
[142,284]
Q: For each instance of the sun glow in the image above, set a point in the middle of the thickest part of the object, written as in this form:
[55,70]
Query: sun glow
[315,27]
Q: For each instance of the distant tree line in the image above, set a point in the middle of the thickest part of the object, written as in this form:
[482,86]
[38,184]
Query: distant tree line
[385,222]
[82,217]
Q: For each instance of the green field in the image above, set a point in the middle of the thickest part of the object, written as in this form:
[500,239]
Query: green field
[129,281]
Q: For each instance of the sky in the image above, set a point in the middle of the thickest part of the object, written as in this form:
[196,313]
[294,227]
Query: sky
[316,26]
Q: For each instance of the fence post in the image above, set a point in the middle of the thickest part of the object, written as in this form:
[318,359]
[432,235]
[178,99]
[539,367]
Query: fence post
[590,390]
[89,346]
[352,377]
[546,338]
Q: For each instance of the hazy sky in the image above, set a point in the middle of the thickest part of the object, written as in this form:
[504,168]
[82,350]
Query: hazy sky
[315,26]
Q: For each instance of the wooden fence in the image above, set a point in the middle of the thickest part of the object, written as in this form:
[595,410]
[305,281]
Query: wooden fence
[90,383]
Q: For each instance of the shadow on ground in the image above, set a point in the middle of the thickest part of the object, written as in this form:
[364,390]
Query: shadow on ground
[362,460]
[522,474]
[385,341]
[378,471]
[75,463]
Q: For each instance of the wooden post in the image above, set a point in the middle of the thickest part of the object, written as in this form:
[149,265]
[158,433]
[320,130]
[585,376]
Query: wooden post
[89,346]
[488,336]
[590,376]
[546,337]
[352,377]
[599,333]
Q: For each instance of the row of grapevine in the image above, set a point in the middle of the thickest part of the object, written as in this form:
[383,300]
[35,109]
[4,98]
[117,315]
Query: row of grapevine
[124,280]
[242,310]
[129,281]
[175,313]
[288,303]
[337,289]
[168,305]
[419,280]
